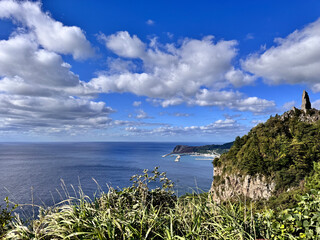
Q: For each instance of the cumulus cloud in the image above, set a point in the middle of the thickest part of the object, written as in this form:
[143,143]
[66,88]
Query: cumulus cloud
[150,22]
[234,100]
[21,56]
[136,103]
[27,69]
[124,45]
[174,74]
[142,114]
[238,78]
[50,34]
[294,60]
[37,88]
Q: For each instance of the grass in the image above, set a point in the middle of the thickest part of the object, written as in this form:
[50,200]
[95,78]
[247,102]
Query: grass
[137,212]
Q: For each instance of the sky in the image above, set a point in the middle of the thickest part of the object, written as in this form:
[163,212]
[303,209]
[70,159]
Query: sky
[172,71]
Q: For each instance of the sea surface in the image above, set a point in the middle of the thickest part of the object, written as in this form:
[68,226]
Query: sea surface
[33,172]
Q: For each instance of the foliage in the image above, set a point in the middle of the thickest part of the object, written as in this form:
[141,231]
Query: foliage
[283,200]
[301,222]
[313,181]
[6,217]
[216,148]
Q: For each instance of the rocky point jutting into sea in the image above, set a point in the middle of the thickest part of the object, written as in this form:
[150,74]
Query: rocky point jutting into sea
[274,157]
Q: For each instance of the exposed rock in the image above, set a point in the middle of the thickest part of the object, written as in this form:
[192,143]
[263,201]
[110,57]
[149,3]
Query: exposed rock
[305,102]
[234,185]
[312,116]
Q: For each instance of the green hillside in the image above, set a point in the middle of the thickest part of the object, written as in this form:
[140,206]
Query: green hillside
[203,149]
[282,149]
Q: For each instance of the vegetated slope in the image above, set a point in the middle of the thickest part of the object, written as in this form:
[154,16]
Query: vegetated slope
[282,149]
[203,149]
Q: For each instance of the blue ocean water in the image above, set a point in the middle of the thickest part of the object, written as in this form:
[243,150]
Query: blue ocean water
[34,170]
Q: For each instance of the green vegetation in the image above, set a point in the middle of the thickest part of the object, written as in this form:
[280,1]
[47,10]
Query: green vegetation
[282,149]
[217,148]
[138,212]
[203,149]
[6,217]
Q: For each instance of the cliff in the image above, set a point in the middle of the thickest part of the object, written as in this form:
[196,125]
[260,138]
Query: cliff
[236,184]
[272,158]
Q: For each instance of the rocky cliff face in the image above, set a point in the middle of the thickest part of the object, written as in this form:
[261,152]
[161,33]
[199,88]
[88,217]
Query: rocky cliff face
[233,185]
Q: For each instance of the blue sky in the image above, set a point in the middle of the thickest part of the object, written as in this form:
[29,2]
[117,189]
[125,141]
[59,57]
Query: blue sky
[153,70]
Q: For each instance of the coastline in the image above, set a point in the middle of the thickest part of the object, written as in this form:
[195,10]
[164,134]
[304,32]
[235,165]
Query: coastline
[194,154]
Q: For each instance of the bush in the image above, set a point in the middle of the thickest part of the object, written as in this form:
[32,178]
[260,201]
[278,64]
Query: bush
[6,217]
[301,222]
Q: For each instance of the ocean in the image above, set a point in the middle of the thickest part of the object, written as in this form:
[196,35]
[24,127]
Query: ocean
[33,172]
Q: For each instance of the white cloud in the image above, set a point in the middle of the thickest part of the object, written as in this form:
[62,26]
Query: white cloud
[176,114]
[249,36]
[170,35]
[21,56]
[179,114]
[124,45]
[238,78]
[288,105]
[294,60]
[255,122]
[175,74]
[25,112]
[37,88]
[50,34]
[234,100]
[150,22]
[117,65]
[136,103]
[27,69]
[142,114]
[316,104]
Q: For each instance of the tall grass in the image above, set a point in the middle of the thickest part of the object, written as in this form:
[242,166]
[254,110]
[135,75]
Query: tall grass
[138,212]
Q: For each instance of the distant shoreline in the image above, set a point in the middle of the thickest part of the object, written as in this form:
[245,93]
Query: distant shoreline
[211,155]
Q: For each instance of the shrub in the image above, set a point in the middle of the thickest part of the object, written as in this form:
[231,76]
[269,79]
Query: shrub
[6,217]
